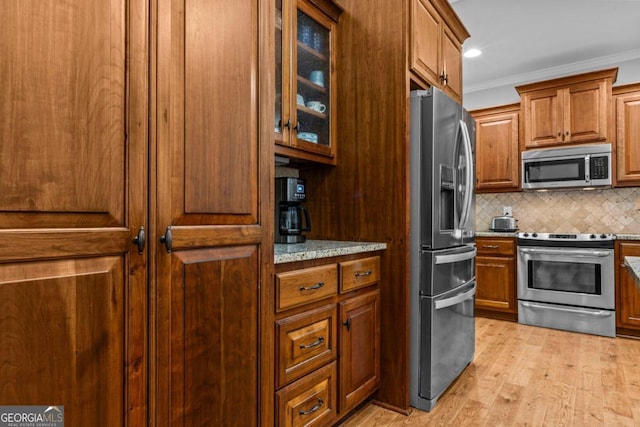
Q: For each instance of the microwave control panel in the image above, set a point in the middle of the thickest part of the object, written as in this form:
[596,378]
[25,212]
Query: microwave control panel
[599,167]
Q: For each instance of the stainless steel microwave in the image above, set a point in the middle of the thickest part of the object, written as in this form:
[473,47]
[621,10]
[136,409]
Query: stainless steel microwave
[578,166]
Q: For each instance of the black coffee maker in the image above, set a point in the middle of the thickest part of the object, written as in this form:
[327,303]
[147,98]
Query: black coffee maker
[290,193]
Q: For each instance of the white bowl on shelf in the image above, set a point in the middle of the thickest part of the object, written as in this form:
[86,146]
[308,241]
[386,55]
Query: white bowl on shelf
[309,136]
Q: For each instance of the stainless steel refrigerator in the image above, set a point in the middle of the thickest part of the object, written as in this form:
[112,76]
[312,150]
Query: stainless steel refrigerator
[442,244]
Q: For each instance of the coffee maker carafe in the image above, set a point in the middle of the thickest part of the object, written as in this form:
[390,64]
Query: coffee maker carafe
[290,193]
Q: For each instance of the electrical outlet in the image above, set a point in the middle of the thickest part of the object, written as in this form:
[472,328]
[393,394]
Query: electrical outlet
[507,211]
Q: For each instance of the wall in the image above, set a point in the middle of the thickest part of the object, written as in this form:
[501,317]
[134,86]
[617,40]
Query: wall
[597,211]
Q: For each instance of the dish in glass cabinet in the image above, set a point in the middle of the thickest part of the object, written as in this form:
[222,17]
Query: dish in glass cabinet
[308,136]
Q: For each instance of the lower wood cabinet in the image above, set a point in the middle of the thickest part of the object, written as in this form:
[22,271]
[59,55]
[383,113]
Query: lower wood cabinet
[310,401]
[306,341]
[327,343]
[627,293]
[496,294]
[359,348]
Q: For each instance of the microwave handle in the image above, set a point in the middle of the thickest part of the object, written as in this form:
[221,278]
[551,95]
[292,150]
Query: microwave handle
[587,168]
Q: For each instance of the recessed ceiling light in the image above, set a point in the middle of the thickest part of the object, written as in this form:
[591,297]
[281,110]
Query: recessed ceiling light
[472,53]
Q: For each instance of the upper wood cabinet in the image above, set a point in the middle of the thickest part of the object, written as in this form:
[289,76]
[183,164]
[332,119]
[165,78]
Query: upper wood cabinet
[305,80]
[627,115]
[497,149]
[436,45]
[567,110]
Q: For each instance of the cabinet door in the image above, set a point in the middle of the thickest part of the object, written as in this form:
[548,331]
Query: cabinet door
[451,64]
[282,119]
[496,289]
[628,137]
[211,151]
[72,197]
[544,123]
[586,112]
[627,293]
[305,80]
[426,31]
[359,349]
[497,154]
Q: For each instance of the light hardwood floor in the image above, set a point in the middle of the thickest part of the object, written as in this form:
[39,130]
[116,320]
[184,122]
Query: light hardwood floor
[529,376]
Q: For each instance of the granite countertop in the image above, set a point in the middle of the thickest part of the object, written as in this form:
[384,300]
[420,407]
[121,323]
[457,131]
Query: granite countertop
[633,266]
[628,236]
[488,233]
[314,249]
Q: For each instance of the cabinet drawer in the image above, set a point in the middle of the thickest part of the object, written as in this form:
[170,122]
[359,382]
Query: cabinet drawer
[359,273]
[305,342]
[310,401]
[299,287]
[496,247]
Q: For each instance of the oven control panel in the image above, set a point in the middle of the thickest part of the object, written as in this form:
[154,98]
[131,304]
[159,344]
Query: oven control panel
[565,236]
[565,239]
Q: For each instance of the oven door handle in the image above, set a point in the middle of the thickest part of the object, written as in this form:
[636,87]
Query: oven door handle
[457,299]
[588,253]
[450,259]
[596,313]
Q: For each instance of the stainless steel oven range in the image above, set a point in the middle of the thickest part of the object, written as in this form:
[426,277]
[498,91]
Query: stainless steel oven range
[566,281]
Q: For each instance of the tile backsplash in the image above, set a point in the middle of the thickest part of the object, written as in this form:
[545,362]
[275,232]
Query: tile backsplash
[586,211]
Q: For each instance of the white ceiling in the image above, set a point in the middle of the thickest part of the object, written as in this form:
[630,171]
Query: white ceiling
[532,40]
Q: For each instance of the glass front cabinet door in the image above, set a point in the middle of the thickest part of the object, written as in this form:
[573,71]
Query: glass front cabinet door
[305,80]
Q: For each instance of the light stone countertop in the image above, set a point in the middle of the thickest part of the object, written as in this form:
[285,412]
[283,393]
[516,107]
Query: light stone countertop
[315,249]
[628,236]
[633,266]
[495,233]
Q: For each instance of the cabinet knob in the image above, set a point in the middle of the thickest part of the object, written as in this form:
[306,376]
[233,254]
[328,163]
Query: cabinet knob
[312,410]
[363,273]
[312,287]
[139,240]
[316,343]
[288,123]
[167,239]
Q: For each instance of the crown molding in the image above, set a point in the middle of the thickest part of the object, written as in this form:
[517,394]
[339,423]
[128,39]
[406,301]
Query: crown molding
[553,72]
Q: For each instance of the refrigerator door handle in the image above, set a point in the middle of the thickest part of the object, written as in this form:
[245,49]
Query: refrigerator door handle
[450,259]
[448,302]
[464,217]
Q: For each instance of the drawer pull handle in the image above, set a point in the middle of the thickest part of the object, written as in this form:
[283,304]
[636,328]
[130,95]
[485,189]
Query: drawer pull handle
[312,410]
[316,343]
[364,273]
[490,246]
[312,287]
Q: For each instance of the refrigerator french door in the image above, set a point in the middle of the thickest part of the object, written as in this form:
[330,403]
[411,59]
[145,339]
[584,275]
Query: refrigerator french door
[442,250]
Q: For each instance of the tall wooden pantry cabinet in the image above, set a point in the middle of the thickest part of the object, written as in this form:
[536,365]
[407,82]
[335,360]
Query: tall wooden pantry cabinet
[135,230]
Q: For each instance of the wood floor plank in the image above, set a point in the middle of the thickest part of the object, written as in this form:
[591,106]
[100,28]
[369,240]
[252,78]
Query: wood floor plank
[530,376]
